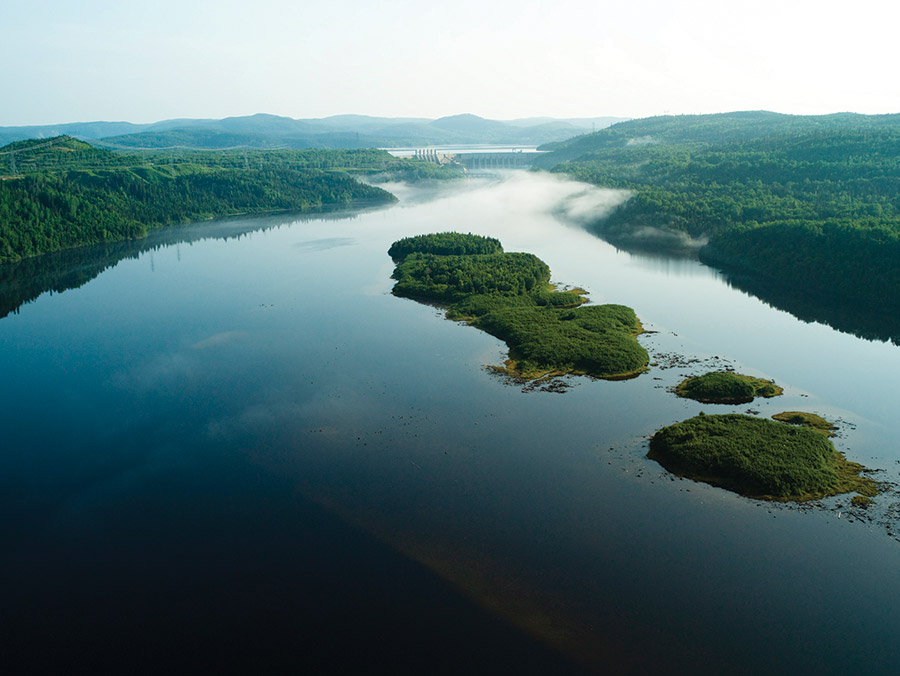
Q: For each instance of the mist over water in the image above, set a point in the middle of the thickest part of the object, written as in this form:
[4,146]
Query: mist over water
[219,448]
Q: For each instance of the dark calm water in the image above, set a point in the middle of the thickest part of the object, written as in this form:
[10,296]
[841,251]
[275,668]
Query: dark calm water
[245,455]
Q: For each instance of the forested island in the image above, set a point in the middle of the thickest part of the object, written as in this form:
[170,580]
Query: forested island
[808,203]
[759,458]
[509,295]
[725,387]
[63,193]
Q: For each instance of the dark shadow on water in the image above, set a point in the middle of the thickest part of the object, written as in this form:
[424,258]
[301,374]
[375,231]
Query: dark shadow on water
[876,322]
[238,573]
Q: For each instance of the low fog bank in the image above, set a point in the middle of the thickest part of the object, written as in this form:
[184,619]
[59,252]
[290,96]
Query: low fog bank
[571,202]
[589,207]
[515,194]
[649,238]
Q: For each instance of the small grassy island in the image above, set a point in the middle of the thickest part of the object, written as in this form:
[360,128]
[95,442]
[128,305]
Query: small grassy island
[758,458]
[722,387]
[509,295]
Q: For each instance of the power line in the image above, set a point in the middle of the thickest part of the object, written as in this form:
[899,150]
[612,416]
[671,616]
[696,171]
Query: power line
[25,150]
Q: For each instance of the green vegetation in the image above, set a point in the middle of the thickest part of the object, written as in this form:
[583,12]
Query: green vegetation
[509,296]
[598,340]
[66,153]
[758,458]
[808,203]
[415,171]
[810,420]
[67,193]
[452,278]
[722,387]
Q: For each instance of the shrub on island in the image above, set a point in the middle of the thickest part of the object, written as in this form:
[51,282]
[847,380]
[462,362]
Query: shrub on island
[758,458]
[723,387]
[810,420]
[596,340]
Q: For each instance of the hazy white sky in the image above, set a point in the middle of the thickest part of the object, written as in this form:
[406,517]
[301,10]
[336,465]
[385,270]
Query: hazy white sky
[66,61]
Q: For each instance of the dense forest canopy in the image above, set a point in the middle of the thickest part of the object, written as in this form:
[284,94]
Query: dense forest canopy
[444,243]
[65,152]
[62,193]
[811,202]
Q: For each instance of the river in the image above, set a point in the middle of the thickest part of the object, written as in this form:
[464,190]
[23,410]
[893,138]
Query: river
[233,449]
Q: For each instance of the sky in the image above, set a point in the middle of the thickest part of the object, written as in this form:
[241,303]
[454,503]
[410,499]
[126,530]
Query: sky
[92,60]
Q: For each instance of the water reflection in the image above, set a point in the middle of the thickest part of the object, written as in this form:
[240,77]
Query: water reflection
[26,280]
[223,458]
[325,243]
[685,265]
[878,321]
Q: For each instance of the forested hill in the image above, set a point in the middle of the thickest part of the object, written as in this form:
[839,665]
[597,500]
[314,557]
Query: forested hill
[706,130]
[61,193]
[338,131]
[803,201]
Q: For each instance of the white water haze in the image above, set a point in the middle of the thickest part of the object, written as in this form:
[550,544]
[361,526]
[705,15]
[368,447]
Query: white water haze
[571,202]
[520,193]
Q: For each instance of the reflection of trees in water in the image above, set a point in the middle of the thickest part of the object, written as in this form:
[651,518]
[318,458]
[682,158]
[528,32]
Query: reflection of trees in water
[876,320]
[26,280]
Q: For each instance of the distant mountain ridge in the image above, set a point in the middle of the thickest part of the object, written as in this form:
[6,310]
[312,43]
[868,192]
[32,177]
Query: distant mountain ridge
[264,130]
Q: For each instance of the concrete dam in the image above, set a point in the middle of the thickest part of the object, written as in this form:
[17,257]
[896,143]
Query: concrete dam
[473,158]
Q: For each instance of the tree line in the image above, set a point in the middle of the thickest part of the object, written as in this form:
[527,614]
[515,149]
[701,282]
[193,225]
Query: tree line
[65,205]
[808,202]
